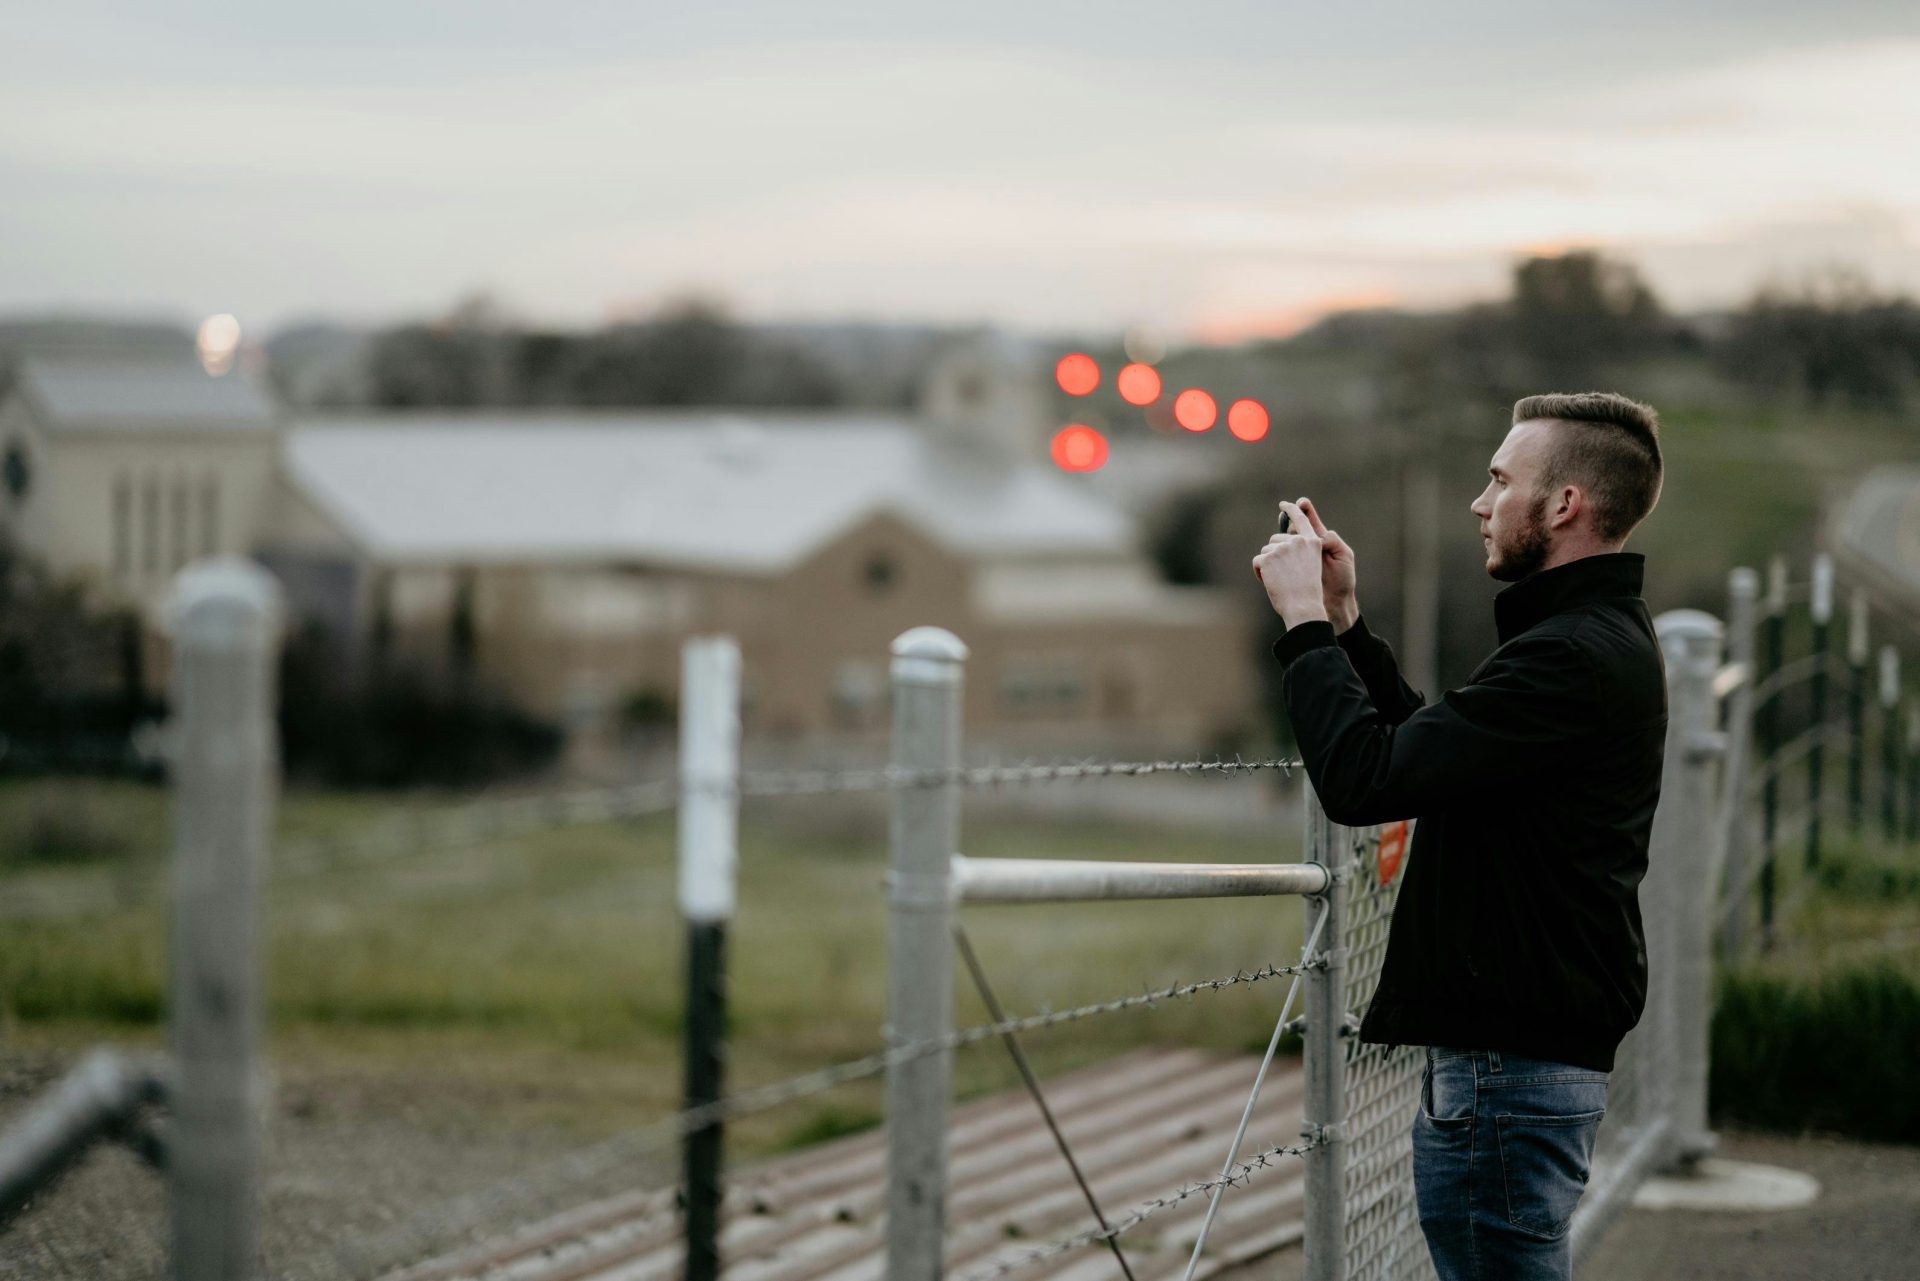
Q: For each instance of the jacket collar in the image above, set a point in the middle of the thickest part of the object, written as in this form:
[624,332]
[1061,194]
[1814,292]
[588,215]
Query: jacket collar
[1553,591]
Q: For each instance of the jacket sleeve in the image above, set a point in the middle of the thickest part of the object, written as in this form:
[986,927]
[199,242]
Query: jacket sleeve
[1373,659]
[1514,726]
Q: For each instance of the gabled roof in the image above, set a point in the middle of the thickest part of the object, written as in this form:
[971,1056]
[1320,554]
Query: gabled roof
[138,394]
[721,492]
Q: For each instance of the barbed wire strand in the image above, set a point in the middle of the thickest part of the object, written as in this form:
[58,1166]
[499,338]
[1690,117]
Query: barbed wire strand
[765,783]
[1146,1209]
[579,1166]
[1253,1096]
[1032,1083]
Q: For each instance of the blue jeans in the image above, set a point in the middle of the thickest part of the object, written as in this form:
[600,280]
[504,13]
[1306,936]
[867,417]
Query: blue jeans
[1501,1147]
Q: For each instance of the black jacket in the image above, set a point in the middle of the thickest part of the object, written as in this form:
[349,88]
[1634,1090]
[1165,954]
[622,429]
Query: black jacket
[1518,922]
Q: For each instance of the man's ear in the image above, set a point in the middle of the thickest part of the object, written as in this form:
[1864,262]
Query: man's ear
[1571,503]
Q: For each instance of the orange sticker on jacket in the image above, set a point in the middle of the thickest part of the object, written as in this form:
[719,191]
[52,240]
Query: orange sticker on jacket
[1393,850]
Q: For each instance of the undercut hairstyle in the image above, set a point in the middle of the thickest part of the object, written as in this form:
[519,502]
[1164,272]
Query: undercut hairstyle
[1607,445]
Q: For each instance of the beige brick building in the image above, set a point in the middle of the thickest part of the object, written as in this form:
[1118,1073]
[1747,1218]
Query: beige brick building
[578,550]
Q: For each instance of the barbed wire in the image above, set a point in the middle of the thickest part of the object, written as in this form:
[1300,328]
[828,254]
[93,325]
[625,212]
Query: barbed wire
[474,822]
[395,835]
[1241,1173]
[405,834]
[585,1164]
[763,783]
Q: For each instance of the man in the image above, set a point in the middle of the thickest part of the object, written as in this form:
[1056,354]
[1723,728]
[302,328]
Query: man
[1515,953]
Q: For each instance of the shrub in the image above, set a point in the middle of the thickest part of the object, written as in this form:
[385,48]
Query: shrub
[61,827]
[1841,1054]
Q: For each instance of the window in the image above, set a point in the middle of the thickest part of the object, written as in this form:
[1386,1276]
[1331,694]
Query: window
[150,526]
[122,527]
[859,694]
[880,573]
[209,514]
[1043,687]
[179,548]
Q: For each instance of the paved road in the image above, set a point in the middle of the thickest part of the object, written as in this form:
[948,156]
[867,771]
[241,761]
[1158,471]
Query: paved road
[1864,1226]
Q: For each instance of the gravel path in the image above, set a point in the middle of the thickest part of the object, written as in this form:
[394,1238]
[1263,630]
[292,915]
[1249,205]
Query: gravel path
[353,1156]
[350,1160]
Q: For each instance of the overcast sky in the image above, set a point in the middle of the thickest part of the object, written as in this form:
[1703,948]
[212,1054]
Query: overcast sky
[1214,169]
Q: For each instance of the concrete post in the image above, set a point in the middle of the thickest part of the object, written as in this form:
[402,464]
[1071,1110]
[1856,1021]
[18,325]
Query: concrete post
[1680,955]
[1324,1109]
[928,680]
[225,617]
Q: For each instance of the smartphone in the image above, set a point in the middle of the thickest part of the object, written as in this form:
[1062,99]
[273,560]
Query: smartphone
[1286,523]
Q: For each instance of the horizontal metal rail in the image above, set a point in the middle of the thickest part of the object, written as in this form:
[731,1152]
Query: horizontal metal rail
[1730,677]
[1046,880]
[96,1099]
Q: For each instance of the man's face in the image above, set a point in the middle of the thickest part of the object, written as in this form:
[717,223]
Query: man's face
[1511,511]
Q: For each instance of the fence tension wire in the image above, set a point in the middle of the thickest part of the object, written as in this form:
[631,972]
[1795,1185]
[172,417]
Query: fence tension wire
[1259,1079]
[1012,1042]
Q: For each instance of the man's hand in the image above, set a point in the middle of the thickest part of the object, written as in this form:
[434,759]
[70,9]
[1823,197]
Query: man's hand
[1289,568]
[1339,577]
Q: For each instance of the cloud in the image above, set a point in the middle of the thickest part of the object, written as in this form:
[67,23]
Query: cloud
[952,180]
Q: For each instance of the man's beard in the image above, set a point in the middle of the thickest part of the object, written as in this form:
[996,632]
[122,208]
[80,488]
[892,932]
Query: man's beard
[1528,549]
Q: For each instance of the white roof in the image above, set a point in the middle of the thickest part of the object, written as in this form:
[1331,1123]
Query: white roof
[134,394]
[699,490]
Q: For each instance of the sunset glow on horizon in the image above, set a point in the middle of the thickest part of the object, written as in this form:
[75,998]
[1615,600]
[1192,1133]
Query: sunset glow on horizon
[1716,155]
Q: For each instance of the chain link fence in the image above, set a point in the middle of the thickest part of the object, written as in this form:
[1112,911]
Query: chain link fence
[1361,1221]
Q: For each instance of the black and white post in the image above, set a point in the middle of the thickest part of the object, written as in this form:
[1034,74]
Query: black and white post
[709,830]
[225,620]
[1822,615]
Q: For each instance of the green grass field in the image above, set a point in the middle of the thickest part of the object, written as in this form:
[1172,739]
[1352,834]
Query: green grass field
[534,968]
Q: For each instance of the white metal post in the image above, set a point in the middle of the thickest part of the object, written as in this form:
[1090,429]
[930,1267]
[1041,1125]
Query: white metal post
[1680,954]
[224,616]
[928,679]
[709,825]
[1324,1109]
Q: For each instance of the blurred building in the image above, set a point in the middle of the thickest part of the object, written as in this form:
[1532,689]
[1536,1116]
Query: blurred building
[119,470]
[565,555]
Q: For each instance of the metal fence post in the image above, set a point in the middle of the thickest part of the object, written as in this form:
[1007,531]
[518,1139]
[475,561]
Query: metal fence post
[1769,728]
[1822,614]
[1890,742]
[709,852]
[1743,591]
[224,616]
[1856,711]
[1324,1109]
[1683,842]
[928,678]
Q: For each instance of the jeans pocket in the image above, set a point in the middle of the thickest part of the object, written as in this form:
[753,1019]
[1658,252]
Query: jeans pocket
[1447,1095]
[1544,1161]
